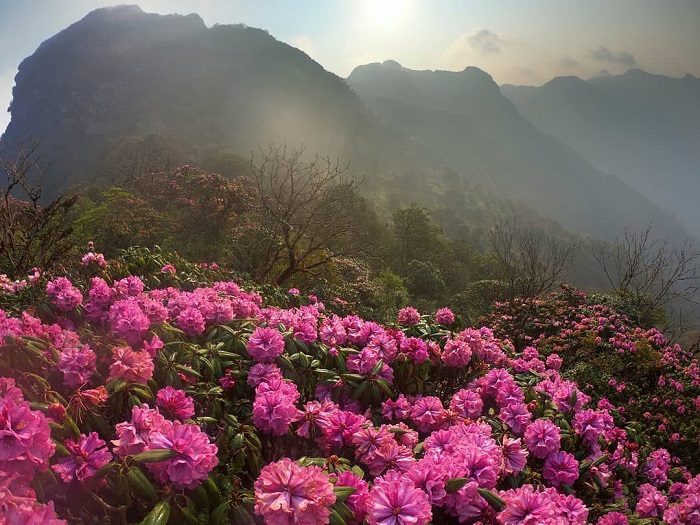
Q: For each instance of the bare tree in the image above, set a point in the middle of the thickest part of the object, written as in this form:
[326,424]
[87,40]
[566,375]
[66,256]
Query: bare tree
[31,234]
[136,157]
[531,261]
[308,211]
[649,272]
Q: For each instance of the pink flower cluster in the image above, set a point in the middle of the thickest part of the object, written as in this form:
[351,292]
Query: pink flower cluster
[195,456]
[65,296]
[25,449]
[287,494]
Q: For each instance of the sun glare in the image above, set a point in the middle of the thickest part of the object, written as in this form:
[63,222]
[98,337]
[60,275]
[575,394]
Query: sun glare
[386,13]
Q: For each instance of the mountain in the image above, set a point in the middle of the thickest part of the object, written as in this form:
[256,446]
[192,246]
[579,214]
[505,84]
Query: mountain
[464,117]
[645,128]
[448,141]
[121,73]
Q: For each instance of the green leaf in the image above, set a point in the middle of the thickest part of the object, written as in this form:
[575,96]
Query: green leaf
[154,456]
[342,493]
[142,486]
[492,499]
[159,514]
[452,485]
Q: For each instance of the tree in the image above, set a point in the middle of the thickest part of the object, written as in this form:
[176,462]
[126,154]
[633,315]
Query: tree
[31,234]
[649,273]
[530,260]
[417,236]
[136,157]
[307,213]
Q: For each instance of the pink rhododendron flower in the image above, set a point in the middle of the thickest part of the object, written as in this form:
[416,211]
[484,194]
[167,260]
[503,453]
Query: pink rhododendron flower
[265,344]
[288,494]
[25,435]
[175,403]
[525,506]
[131,366]
[408,316]
[542,438]
[77,364]
[65,296]
[135,436]
[128,320]
[191,321]
[560,467]
[395,500]
[194,459]
[613,518]
[87,455]
[444,316]
[358,500]
[428,414]
[274,410]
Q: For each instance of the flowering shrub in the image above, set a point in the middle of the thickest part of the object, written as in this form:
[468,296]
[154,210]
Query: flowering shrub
[129,402]
[653,385]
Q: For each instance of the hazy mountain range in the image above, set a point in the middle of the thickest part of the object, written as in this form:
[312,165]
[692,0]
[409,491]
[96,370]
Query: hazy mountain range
[448,140]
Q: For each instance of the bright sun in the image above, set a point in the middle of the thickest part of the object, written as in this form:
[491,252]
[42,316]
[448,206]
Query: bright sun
[386,13]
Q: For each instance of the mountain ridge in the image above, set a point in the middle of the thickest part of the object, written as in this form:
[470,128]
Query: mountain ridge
[120,72]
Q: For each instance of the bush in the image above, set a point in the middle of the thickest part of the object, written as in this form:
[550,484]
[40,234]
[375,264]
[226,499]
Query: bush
[126,403]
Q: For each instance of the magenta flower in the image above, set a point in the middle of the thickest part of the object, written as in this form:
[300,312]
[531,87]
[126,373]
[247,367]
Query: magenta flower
[265,345]
[651,503]
[175,403]
[128,320]
[467,403]
[560,467]
[131,366]
[396,410]
[408,316]
[514,457]
[191,321]
[457,353]
[428,413]
[135,436]
[444,316]
[25,435]
[395,500]
[65,296]
[287,494]
[77,365]
[525,506]
[87,455]
[263,373]
[358,500]
[542,438]
[195,456]
[273,411]
[613,518]
[516,416]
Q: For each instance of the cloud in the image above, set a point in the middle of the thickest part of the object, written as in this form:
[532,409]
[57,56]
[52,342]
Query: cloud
[567,63]
[623,58]
[485,42]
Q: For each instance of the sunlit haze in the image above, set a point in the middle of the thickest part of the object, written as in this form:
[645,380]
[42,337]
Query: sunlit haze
[515,42]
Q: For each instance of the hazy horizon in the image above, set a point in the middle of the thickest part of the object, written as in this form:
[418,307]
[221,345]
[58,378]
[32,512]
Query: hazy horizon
[515,42]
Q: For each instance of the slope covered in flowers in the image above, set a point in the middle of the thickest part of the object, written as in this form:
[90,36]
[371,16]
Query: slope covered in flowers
[130,403]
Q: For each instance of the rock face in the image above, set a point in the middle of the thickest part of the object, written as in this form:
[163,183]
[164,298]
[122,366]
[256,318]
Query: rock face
[452,142]
[121,72]
[464,117]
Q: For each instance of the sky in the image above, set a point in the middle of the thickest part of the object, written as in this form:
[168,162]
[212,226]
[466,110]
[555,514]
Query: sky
[525,42]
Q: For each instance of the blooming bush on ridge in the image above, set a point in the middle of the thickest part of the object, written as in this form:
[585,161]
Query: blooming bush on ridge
[122,401]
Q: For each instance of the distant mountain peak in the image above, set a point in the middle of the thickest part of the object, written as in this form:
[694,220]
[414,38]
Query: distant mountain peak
[392,64]
[567,81]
